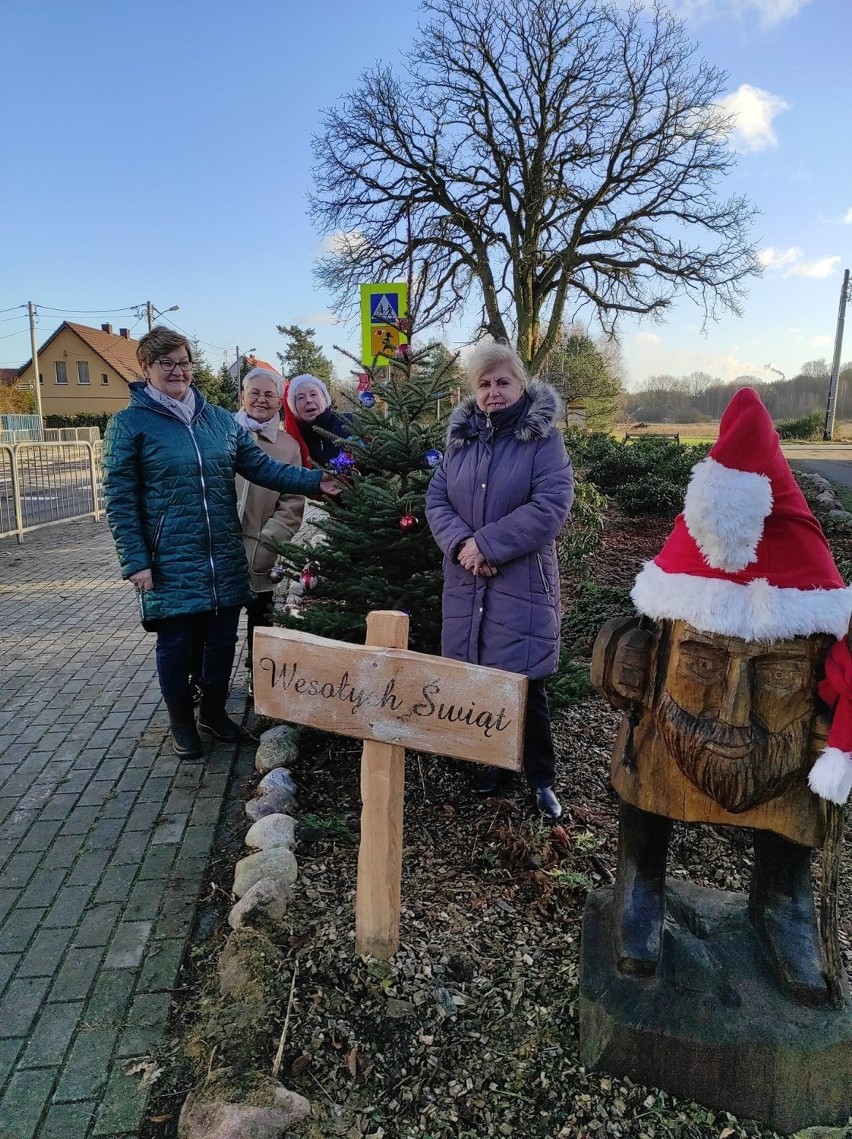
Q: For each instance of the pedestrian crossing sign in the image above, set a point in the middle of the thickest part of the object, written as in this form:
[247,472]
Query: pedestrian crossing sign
[383,306]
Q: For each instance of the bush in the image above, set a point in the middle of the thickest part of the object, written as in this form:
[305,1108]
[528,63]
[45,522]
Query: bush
[571,682]
[647,476]
[89,419]
[584,528]
[591,608]
[805,427]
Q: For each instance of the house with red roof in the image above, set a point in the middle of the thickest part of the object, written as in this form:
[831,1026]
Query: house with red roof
[84,371]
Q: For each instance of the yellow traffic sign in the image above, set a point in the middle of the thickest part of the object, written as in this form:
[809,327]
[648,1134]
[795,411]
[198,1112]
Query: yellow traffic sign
[382,308]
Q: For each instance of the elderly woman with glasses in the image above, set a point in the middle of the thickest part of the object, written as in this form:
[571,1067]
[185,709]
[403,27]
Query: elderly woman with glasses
[266,515]
[170,464]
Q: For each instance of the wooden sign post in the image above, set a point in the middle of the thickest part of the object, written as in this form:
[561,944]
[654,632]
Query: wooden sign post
[392,699]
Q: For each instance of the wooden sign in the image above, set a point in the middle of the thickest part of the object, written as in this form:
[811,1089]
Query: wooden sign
[391,695]
[392,699]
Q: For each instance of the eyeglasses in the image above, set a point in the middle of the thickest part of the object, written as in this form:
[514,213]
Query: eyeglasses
[258,397]
[172,365]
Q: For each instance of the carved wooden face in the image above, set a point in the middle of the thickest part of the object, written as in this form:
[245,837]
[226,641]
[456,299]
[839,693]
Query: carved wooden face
[736,715]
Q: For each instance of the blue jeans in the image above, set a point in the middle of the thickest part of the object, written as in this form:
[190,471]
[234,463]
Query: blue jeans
[182,640]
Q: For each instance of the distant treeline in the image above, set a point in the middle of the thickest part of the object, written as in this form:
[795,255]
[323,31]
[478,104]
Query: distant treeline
[696,398]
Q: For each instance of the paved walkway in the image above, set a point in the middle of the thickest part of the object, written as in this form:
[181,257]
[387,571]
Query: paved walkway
[104,837]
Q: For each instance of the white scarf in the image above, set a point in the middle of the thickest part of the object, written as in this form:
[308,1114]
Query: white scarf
[268,430]
[183,408]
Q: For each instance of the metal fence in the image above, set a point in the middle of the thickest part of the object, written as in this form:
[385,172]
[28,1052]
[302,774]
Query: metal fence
[42,484]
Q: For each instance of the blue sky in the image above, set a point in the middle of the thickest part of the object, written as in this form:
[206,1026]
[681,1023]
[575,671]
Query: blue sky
[162,152]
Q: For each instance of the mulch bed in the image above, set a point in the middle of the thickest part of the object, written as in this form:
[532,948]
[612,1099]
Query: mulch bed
[471,1030]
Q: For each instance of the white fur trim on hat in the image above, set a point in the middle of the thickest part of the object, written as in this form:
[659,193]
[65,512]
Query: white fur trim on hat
[299,381]
[265,374]
[757,611]
[724,510]
[831,775]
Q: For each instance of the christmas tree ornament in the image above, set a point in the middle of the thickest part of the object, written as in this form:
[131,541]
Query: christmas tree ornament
[342,463]
[433,457]
[307,577]
[275,575]
[403,352]
[367,399]
[409,522]
[404,325]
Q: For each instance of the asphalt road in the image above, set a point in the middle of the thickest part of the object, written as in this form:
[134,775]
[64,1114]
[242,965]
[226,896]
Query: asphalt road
[831,460]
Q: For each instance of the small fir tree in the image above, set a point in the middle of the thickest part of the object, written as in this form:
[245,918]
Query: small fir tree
[378,551]
[303,354]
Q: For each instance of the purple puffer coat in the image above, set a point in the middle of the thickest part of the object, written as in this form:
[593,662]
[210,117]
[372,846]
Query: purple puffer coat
[507,482]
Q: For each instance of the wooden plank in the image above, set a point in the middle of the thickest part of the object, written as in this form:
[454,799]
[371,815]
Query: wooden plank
[379,892]
[391,695]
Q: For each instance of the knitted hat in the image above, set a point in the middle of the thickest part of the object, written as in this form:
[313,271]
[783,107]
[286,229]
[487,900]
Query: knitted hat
[747,558]
[298,381]
[265,374]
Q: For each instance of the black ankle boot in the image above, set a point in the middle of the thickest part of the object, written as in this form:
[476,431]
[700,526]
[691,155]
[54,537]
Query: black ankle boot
[781,905]
[185,738]
[639,904]
[212,717]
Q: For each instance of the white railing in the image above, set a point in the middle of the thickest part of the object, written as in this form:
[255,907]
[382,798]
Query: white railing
[42,484]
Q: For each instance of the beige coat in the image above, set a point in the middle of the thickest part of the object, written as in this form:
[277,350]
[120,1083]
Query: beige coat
[266,514]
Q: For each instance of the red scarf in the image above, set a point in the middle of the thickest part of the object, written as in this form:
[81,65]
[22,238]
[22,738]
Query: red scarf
[291,426]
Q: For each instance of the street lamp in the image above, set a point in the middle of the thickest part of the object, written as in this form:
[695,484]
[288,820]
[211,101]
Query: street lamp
[154,313]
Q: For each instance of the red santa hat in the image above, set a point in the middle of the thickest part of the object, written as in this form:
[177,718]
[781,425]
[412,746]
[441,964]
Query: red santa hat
[747,558]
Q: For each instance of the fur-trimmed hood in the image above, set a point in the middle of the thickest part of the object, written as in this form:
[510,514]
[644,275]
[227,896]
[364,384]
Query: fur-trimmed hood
[540,413]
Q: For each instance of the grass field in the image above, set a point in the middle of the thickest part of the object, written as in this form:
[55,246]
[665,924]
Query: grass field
[707,432]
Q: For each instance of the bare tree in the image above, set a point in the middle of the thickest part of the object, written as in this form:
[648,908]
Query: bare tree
[539,156]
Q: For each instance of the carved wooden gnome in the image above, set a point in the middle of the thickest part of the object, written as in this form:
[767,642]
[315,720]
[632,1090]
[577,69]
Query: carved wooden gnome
[718,678]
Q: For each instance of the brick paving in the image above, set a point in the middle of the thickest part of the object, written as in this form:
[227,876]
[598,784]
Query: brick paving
[104,838]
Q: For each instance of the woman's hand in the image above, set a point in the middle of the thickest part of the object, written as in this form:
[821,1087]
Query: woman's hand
[471,559]
[143,580]
[329,485]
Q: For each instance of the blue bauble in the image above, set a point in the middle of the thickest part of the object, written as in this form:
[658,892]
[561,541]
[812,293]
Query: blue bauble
[367,399]
[433,457]
[342,463]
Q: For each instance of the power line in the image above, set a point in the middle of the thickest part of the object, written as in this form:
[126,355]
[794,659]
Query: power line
[12,307]
[88,311]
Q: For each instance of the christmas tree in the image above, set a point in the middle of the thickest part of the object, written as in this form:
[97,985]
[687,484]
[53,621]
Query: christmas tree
[377,551]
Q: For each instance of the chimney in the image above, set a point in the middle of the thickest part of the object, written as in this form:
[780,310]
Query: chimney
[106,328]
[125,332]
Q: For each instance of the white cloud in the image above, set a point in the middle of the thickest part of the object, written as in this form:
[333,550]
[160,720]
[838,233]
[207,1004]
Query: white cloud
[819,269]
[847,217]
[820,341]
[771,258]
[790,261]
[768,12]
[647,338]
[318,319]
[753,111]
[340,241]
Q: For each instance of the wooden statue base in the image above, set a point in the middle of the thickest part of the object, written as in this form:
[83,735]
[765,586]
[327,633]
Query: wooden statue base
[713,1025]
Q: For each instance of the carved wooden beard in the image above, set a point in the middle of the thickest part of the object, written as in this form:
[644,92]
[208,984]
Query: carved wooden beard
[737,767]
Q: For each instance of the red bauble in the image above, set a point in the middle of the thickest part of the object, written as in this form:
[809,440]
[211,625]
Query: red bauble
[403,352]
[408,522]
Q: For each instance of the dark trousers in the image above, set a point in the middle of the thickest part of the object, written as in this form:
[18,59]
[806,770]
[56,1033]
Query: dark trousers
[259,615]
[182,642]
[539,756]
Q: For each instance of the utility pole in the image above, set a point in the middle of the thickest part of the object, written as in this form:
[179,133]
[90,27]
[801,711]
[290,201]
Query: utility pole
[152,312]
[34,348]
[835,365]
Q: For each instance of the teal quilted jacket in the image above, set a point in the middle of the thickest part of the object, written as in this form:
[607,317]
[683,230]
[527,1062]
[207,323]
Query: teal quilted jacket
[171,504]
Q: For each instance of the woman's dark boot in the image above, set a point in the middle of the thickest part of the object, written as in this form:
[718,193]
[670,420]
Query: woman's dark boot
[639,905]
[781,904]
[185,738]
[212,716]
